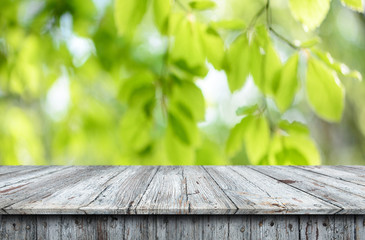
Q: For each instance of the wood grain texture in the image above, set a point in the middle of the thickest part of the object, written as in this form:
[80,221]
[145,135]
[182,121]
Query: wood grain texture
[184,190]
[49,227]
[255,193]
[274,227]
[349,197]
[338,172]
[123,192]
[166,193]
[12,169]
[329,227]
[191,227]
[15,227]
[18,198]
[204,195]
[38,187]
[27,174]
[359,227]
[214,190]
[74,196]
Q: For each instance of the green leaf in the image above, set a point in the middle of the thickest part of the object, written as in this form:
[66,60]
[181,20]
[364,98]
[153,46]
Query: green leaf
[187,52]
[256,63]
[353,74]
[233,24]
[292,150]
[213,46]
[177,152]
[272,67]
[161,11]
[288,84]
[188,94]
[265,63]
[324,91]
[143,98]
[184,110]
[130,86]
[209,153]
[310,13]
[294,128]
[135,128]
[179,129]
[247,110]
[356,5]
[340,68]
[202,5]
[237,63]
[305,146]
[257,139]
[290,156]
[182,124]
[254,133]
[275,147]
[236,136]
[310,43]
[128,14]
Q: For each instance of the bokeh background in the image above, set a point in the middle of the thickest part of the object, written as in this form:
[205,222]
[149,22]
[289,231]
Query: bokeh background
[62,64]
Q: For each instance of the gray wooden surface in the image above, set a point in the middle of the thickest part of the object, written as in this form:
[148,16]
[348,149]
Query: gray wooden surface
[215,190]
[221,227]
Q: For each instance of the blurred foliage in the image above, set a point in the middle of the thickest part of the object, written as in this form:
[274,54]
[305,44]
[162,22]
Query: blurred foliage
[103,82]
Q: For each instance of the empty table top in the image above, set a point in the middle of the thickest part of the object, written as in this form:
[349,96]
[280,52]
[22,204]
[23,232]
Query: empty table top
[182,190]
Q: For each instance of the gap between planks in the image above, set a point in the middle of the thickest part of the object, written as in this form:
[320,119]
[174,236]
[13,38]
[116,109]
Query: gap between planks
[351,203]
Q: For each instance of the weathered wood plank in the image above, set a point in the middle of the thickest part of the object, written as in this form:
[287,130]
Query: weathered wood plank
[274,227]
[39,188]
[311,227]
[18,227]
[359,170]
[179,227]
[53,227]
[215,227]
[113,228]
[28,174]
[204,195]
[338,172]
[123,193]
[239,227]
[182,227]
[70,199]
[10,169]
[358,167]
[197,227]
[287,227]
[192,228]
[359,227]
[49,227]
[353,169]
[152,227]
[79,227]
[138,228]
[344,227]
[255,193]
[328,227]
[17,174]
[183,190]
[166,226]
[166,194]
[263,227]
[10,194]
[347,196]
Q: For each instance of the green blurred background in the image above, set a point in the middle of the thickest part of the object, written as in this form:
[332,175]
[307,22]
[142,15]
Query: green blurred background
[62,65]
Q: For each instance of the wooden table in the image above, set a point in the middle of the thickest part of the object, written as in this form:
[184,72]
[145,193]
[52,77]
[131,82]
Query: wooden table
[182,202]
